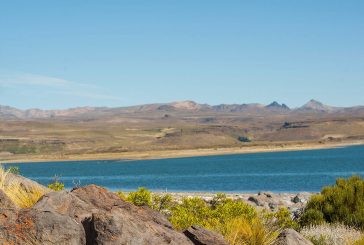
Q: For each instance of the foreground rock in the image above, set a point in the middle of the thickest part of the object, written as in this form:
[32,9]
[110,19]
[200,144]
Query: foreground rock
[29,226]
[200,236]
[107,219]
[291,237]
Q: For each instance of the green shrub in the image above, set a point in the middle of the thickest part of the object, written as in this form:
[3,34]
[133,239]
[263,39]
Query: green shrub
[162,202]
[230,209]
[141,197]
[56,185]
[14,170]
[192,211]
[282,219]
[312,217]
[340,203]
[195,211]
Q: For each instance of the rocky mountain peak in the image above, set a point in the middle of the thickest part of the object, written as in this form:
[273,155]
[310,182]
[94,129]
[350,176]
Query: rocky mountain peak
[317,106]
[276,105]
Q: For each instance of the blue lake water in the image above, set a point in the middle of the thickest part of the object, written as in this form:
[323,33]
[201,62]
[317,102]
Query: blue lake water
[277,171]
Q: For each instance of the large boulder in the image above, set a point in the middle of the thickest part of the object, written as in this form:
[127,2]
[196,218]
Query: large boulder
[291,237]
[107,219]
[29,226]
[200,236]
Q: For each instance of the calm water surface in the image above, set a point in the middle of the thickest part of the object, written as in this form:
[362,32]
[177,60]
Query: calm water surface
[278,171]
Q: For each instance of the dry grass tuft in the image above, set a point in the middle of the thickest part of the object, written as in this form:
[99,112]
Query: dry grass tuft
[254,232]
[21,196]
[360,241]
[332,234]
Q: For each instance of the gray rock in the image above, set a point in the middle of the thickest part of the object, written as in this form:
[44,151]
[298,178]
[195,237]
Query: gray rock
[272,206]
[255,201]
[268,194]
[296,199]
[301,197]
[291,237]
[29,226]
[200,236]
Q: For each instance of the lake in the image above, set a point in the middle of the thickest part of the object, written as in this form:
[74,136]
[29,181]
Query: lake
[291,171]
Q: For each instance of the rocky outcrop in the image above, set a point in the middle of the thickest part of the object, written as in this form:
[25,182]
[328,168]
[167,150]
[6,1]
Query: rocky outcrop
[200,236]
[94,215]
[109,220]
[291,237]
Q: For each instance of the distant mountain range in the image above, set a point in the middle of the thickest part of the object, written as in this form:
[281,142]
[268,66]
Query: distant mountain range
[189,107]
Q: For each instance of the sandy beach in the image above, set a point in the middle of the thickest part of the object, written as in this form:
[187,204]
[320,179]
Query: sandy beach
[269,201]
[274,147]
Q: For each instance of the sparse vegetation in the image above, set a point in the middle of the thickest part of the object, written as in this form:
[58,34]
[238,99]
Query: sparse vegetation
[239,222]
[332,234]
[56,185]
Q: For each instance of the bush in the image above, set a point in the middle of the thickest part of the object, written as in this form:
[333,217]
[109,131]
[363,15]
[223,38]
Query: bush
[192,211]
[282,219]
[230,209]
[141,197]
[14,170]
[195,211]
[312,217]
[341,203]
[56,185]
[162,202]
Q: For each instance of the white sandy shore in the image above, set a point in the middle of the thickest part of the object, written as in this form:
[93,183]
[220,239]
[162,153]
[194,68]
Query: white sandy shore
[265,200]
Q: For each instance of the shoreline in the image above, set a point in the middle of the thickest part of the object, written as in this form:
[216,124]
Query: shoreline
[183,153]
[267,200]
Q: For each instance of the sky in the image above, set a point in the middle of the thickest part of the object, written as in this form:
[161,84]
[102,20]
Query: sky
[70,53]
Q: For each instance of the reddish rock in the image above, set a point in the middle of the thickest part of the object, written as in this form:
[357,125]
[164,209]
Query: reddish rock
[107,219]
[29,226]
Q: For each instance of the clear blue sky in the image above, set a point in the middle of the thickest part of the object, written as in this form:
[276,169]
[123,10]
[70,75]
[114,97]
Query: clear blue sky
[59,54]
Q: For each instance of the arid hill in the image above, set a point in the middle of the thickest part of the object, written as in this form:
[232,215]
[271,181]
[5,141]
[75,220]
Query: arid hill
[173,126]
